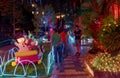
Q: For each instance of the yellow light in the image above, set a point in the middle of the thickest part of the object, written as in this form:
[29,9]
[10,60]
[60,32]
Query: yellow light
[114,22]
[62,16]
[109,24]
[33,5]
[105,25]
[40,61]
[37,12]
[103,29]
[20,40]
[33,12]
[58,16]
[43,13]
[13,64]
[116,25]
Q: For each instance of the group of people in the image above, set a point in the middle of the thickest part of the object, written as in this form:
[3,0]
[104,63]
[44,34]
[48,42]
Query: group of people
[59,42]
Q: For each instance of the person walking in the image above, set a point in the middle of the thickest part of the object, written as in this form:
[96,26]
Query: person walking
[64,42]
[77,33]
[56,43]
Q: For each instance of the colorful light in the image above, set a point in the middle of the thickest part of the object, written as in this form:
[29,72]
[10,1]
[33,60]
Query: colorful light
[20,40]
[13,64]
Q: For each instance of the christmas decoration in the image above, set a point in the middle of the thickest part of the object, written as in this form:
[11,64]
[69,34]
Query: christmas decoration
[109,35]
[44,19]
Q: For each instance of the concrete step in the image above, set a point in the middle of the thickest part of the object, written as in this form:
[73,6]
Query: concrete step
[70,76]
[68,72]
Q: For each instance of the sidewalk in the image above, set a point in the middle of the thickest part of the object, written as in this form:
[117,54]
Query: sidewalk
[73,67]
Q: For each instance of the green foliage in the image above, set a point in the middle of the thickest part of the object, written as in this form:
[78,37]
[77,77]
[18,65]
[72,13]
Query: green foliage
[46,15]
[109,35]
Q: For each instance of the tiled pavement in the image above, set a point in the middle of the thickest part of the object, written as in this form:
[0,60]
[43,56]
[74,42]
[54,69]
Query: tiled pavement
[73,67]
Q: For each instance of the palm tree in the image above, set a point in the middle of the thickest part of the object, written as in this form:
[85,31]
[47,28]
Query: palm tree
[94,13]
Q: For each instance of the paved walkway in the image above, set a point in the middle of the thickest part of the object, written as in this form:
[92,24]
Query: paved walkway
[73,67]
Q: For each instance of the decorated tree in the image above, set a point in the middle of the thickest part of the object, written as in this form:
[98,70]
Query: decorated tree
[108,39]
[44,18]
[109,35]
[94,11]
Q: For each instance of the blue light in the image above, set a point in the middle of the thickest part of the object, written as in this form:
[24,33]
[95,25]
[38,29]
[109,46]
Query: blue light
[7,74]
[67,26]
[1,66]
[50,61]
[23,67]
[11,53]
[71,39]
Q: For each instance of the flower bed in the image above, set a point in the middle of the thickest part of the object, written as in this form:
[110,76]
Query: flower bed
[103,65]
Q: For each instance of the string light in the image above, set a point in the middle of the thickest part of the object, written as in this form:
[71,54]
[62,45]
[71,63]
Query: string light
[33,5]
[105,62]
[109,24]
[114,22]
[116,25]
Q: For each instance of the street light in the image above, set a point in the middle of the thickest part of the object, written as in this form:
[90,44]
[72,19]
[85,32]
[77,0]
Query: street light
[60,16]
[33,5]
[35,9]
[37,12]
[43,13]
[33,12]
